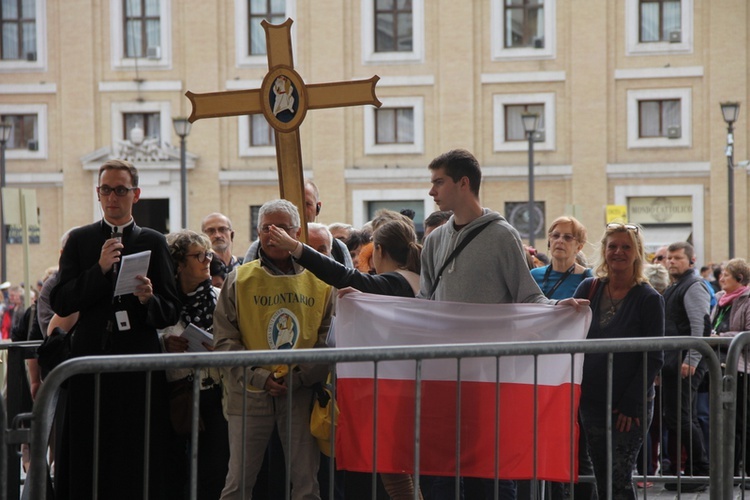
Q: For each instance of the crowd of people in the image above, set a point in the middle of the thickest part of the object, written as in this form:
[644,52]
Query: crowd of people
[468,253]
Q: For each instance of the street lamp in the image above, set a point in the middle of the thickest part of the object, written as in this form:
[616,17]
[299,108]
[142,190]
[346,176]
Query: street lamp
[5,130]
[530,123]
[730,111]
[182,129]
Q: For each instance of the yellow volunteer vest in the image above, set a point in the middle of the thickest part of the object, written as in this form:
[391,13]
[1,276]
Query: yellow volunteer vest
[279,312]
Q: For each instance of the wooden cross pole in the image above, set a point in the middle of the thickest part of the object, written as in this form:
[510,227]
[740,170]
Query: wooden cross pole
[284,99]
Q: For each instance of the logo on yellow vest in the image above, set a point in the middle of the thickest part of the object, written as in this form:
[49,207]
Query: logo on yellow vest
[283,330]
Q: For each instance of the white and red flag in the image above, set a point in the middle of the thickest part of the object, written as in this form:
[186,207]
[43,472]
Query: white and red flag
[484,426]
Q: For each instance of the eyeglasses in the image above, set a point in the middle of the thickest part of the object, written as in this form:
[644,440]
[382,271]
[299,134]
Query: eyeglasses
[567,238]
[221,229]
[118,190]
[202,256]
[659,258]
[618,225]
[265,229]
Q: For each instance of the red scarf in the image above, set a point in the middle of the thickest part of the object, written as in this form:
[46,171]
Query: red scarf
[729,297]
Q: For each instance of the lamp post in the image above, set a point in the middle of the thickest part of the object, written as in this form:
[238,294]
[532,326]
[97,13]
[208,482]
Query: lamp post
[5,131]
[530,122]
[730,111]
[182,129]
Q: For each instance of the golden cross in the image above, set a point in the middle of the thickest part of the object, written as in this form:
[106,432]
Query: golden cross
[284,99]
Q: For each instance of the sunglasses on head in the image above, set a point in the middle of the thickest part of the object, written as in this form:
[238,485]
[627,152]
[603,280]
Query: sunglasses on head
[619,225]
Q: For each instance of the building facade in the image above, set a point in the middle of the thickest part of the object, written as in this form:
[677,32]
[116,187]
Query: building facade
[627,91]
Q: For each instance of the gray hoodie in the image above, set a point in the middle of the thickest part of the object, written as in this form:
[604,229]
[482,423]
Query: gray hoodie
[491,269]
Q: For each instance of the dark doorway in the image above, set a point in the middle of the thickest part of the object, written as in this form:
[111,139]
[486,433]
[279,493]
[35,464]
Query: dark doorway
[153,213]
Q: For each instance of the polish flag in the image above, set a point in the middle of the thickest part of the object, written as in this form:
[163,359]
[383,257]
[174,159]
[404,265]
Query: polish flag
[482,426]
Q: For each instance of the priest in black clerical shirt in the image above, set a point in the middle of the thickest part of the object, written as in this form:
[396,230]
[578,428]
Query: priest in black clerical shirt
[114,325]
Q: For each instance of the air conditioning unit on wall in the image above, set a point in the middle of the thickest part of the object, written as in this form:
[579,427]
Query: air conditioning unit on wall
[153,53]
[674,132]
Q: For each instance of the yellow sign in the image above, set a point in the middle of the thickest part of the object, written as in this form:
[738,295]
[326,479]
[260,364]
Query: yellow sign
[661,209]
[617,213]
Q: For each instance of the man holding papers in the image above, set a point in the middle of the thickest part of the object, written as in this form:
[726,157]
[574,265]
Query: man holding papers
[112,324]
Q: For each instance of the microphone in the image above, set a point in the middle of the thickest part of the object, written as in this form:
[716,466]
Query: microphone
[117,235]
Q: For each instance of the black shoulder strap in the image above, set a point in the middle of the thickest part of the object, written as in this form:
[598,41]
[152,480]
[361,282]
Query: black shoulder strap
[467,239]
[592,288]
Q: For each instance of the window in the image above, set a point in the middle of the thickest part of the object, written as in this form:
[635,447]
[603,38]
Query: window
[154,118]
[397,127]
[28,138]
[250,39]
[659,118]
[658,26]
[393,26]
[514,130]
[523,29]
[256,136]
[22,34]
[25,131]
[141,33]
[261,133]
[150,123]
[272,11]
[416,206]
[509,134]
[524,23]
[18,30]
[392,31]
[659,19]
[365,202]
[142,26]
[394,126]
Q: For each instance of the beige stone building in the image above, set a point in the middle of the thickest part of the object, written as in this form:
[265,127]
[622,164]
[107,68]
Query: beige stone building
[628,92]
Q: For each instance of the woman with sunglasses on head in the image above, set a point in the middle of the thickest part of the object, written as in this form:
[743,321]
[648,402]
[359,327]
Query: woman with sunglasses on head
[730,317]
[396,257]
[559,280]
[624,305]
[192,256]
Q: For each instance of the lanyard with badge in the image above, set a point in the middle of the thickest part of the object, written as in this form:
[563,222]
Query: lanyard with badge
[559,281]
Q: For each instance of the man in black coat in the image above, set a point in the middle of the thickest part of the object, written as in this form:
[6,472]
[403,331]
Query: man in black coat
[114,325]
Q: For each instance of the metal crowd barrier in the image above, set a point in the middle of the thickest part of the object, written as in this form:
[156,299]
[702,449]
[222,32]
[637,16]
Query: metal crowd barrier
[3,450]
[740,344]
[11,413]
[721,485]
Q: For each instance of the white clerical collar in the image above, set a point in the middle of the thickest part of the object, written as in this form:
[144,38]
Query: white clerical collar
[118,229]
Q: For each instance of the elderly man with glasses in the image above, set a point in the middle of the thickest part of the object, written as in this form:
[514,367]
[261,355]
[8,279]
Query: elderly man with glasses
[266,304]
[218,228]
[114,325]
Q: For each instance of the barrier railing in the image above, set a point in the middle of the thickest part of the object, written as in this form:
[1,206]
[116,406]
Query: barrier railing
[739,345]
[13,435]
[42,417]
[3,451]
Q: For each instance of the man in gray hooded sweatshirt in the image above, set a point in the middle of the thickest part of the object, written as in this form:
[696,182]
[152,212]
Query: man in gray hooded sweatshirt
[491,269]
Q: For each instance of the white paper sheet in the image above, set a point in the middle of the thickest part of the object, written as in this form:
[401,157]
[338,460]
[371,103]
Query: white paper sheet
[196,336]
[131,266]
